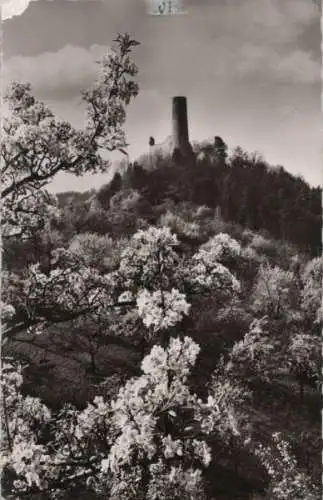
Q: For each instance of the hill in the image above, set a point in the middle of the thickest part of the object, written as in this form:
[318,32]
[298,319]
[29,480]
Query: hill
[238,239]
[242,187]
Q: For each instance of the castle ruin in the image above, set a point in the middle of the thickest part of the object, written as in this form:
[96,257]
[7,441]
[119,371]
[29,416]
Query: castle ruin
[177,145]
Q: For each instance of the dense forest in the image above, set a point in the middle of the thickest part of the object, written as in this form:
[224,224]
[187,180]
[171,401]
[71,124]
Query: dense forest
[160,336]
[245,189]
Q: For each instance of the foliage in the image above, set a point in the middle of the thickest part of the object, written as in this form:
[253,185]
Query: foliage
[256,354]
[244,188]
[157,433]
[24,419]
[94,250]
[215,152]
[311,300]
[304,357]
[223,247]
[286,480]
[178,225]
[159,420]
[272,291]
[154,433]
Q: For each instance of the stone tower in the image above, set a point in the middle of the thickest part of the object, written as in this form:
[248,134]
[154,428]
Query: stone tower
[182,150]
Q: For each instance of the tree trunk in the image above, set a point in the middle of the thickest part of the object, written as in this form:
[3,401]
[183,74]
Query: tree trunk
[93,363]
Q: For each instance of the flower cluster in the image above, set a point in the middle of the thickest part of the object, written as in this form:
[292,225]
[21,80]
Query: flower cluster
[22,421]
[223,247]
[180,357]
[160,309]
[68,288]
[151,408]
[176,482]
[205,272]
[96,415]
[151,256]
[29,460]
[28,213]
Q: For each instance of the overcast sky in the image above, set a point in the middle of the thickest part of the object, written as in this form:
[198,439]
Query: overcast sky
[250,69]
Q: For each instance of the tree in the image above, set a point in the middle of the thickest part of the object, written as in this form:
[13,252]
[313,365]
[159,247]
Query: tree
[28,214]
[272,292]
[162,421]
[106,192]
[304,359]
[255,357]
[206,273]
[311,295]
[142,294]
[124,215]
[36,145]
[220,149]
[95,250]
[150,442]
[157,437]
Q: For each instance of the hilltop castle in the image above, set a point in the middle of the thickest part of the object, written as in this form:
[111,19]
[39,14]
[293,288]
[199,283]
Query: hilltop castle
[176,148]
[177,145]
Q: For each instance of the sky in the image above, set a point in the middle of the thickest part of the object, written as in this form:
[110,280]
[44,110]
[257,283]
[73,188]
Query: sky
[251,71]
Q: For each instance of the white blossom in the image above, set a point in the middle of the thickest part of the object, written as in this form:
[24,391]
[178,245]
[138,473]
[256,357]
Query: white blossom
[222,246]
[203,451]
[162,309]
[126,296]
[7,311]
[206,272]
[151,253]
[172,447]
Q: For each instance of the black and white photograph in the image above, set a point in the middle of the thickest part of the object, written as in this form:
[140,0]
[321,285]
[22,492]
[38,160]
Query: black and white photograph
[161,250]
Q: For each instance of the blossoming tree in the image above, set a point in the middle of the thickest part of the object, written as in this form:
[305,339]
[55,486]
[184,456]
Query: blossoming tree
[150,442]
[36,145]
